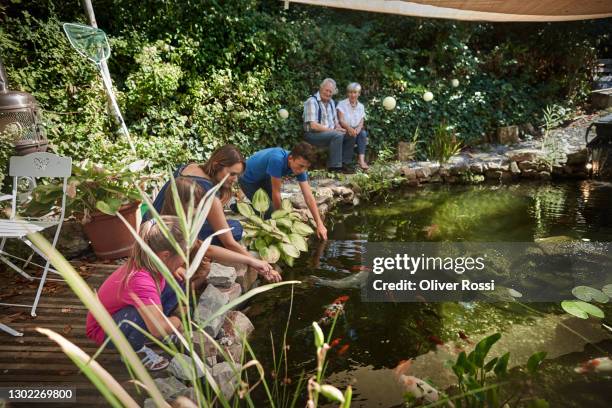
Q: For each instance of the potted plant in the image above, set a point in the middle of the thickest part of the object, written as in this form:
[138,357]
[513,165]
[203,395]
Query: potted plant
[282,237]
[94,193]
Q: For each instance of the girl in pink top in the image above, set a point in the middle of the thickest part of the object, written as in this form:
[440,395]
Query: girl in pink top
[137,291]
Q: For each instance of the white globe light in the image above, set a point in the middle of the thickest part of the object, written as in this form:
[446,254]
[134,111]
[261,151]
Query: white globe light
[389,103]
[427,96]
[283,114]
[455,83]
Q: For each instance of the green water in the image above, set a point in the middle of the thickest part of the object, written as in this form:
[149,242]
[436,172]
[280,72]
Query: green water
[374,337]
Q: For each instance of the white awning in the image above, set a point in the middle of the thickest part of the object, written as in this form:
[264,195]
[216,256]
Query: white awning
[480,10]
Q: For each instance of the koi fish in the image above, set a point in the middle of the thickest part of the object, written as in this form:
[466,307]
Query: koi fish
[343,349]
[335,342]
[341,299]
[596,365]
[355,281]
[334,310]
[431,230]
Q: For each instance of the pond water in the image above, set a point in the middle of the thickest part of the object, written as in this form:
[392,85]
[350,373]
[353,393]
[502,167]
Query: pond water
[372,338]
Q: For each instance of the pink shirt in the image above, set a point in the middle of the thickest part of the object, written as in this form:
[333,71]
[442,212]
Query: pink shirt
[115,296]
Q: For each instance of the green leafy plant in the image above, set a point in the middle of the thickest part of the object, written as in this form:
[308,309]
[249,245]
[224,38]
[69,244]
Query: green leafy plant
[93,187]
[443,145]
[379,179]
[282,237]
[475,374]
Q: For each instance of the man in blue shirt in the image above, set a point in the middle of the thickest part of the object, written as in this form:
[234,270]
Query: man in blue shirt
[266,169]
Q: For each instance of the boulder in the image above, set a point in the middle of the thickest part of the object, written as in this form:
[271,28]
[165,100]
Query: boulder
[324,195]
[346,194]
[476,167]
[237,325]
[514,168]
[226,378]
[169,387]
[577,158]
[232,292]
[72,241]
[326,182]
[507,135]
[297,200]
[408,172]
[181,367]
[520,155]
[221,276]
[544,175]
[527,165]
[406,151]
[423,172]
[210,301]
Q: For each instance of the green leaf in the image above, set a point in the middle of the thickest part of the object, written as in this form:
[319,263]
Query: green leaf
[581,309]
[106,208]
[332,393]
[272,255]
[501,368]
[290,250]
[535,361]
[286,205]
[302,229]
[348,396]
[279,214]
[299,242]
[285,223]
[261,201]
[607,289]
[483,347]
[245,210]
[588,294]
[489,366]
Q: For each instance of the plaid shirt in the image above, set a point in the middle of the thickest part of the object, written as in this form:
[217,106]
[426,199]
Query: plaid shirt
[329,117]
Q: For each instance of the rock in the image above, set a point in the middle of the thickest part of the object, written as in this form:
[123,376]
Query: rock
[169,387]
[247,279]
[520,155]
[234,352]
[324,195]
[435,179]
[345,193]
[527,165]
[406,151]
[181,366]
[529,129]
[544,175]
[326,182]
[221,276]
[577,158]
[507,135]
[408,172]
[476,168]
[423,172]
[232,292]
[506,176]
[323,210]
[237,325]
[297,200]
[72,241]
[514,168]
[494,174]
[225,378]
[530,174]
[210,301]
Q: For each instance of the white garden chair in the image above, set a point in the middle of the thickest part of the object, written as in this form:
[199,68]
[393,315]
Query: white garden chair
[34,165]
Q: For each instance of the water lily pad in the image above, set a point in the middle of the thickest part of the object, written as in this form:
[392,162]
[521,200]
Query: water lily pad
[581,309]
[588,294]
[515,293]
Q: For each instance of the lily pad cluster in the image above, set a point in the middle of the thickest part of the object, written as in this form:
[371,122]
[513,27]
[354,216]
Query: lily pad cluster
[282,237]
[583,307]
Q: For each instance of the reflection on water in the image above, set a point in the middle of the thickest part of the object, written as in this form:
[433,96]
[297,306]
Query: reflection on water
[371,338]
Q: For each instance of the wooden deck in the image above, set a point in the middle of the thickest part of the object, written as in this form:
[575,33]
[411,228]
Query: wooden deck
[34,360]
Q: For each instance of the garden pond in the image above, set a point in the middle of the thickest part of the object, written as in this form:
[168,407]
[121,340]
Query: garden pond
[370,339]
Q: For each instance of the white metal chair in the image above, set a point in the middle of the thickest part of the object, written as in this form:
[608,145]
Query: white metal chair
[34,165]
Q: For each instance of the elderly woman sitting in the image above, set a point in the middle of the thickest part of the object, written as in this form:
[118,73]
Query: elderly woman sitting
[351,115]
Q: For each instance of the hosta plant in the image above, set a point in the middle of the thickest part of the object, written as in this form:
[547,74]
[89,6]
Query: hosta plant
[282,237]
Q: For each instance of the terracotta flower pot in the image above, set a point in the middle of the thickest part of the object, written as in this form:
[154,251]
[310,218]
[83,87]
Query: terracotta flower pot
[109,237]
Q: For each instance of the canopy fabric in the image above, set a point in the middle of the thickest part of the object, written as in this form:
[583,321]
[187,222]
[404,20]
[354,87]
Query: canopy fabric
[480,10]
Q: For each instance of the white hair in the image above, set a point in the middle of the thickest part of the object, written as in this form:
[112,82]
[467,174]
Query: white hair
[332,83]
[353,86]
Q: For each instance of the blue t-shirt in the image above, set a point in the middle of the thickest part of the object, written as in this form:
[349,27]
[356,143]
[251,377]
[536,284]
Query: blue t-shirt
[269,162]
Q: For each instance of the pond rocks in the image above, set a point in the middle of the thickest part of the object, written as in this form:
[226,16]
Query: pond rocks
[514,168]
[237,326]
[344,194]
[577,158]
[520,155]
[181,366]
[297,200]
[221,276]
[170,387]
[232,292]
[507,135]
[210,301]
[324,195]
[226,378]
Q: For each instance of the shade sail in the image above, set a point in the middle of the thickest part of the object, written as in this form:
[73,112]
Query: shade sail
[480,10]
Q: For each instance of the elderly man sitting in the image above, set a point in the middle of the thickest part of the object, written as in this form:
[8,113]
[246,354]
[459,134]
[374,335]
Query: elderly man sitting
[323,129]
